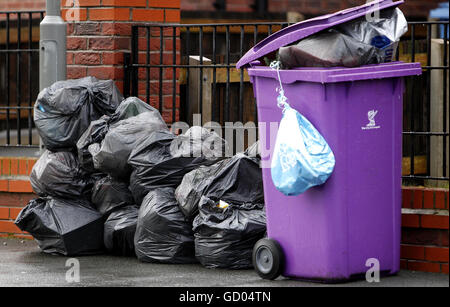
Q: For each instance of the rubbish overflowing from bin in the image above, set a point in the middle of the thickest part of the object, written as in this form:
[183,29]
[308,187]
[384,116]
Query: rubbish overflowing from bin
[108,178]
[353,44]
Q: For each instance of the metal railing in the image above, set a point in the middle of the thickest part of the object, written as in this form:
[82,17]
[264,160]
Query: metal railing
[156,72]
[414,130]
[19,77]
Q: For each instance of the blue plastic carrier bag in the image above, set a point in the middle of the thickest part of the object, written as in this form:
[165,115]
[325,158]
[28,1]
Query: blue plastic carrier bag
[302,158]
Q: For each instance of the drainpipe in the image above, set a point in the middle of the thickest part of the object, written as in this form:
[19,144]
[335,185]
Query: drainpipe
[52,46]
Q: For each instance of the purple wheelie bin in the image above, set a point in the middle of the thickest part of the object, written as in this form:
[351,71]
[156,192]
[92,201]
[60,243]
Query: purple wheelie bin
[334,232]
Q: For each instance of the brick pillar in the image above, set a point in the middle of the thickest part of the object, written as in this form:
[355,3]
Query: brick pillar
[99,32]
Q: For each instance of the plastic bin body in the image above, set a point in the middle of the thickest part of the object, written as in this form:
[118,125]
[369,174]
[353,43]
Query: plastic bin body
[330,232]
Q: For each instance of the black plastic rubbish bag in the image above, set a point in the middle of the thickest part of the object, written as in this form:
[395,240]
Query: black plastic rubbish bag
[238,180]
[109,194]
[59,174]
[225,235]
[352,44]
[63,111]
[254,151]
[66,227]
[133,106]
[133,121]
[94,134]
[162,234]
[120,228]
[163,159]
[328,49]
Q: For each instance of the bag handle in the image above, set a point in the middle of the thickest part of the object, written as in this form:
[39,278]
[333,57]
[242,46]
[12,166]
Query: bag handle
[282,100]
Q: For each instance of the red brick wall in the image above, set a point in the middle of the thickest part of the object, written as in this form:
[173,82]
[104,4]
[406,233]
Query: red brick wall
[15,192]
[97,41]
[425,220]
[15,5]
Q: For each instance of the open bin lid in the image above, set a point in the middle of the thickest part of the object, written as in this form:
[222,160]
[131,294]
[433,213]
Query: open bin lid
[309,27]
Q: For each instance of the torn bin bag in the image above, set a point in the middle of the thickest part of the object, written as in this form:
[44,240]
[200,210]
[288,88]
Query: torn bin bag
[112,154]
[120,228]
[109,194]
[59,174]
[237,180]
[224,237]
[162,233]
[163,159]
[63,111]
[66,227]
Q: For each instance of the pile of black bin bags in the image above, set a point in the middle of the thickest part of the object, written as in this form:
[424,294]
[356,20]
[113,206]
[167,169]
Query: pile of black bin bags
[114,179]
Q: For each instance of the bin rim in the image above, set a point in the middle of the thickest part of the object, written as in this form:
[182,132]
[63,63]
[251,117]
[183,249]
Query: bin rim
[338,74]
[312,26]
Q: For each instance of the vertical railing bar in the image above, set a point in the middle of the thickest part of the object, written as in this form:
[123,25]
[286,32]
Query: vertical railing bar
[134,60]
[161,61]
[147,69]
[30,58]
[19,79]
[174,76]
[241,81]
[227,90]
[126,80]
[188,54]
[215,115]
[413,79]
[200,42]
[255,114]
[428,97]
[8,83]
[445,100]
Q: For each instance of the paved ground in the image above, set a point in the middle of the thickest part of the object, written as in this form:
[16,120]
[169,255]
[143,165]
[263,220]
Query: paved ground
[22,264]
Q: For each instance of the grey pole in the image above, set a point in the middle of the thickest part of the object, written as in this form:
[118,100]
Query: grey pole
[52,46]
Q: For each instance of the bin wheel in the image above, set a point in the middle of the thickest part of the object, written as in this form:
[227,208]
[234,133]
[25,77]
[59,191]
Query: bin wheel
[268,259]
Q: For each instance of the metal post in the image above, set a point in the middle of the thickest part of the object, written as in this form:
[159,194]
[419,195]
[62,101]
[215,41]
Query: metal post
[52,46]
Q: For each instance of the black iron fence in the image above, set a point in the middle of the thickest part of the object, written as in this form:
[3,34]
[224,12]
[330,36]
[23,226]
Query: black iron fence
[188,69]
[19,77]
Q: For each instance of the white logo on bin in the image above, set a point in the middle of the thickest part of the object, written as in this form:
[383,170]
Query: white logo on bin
[372,124]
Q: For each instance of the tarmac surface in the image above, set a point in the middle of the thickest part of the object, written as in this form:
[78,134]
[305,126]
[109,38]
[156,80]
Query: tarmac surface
[23,265]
